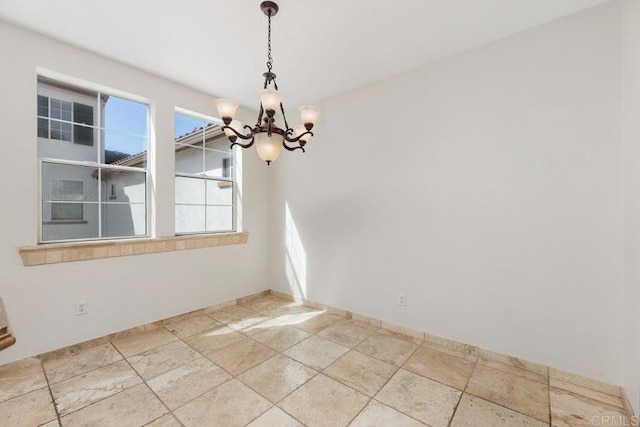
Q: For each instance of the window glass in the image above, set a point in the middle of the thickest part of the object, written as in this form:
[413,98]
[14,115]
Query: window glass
[108,129]
[204,177]
[93,152]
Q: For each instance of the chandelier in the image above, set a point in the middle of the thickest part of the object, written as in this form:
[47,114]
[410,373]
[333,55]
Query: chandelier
[268,137]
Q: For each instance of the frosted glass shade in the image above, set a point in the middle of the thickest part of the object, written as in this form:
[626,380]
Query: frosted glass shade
[226,107]
[236,125]
[270,99]
[268,147]
[300,129]
[309,114]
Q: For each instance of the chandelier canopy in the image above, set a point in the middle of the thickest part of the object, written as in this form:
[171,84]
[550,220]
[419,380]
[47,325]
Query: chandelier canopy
[268,137]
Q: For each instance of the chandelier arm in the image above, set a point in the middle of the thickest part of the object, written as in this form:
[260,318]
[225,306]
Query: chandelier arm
[297,138]
[284,116]
[238,134]
[248,145]
[260,114]
[299,147]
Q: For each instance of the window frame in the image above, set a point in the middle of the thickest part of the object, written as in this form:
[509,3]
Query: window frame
[99,202]
[233,180]
[99,145]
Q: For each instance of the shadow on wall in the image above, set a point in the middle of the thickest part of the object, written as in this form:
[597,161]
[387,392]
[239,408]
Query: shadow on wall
[295,257]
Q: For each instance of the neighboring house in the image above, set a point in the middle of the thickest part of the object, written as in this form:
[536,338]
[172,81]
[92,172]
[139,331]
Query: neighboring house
[62,112]
[76,206]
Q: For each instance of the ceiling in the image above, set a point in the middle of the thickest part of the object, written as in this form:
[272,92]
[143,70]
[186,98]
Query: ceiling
[320,48]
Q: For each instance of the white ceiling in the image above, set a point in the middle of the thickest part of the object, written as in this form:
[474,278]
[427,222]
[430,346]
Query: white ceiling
[320,47]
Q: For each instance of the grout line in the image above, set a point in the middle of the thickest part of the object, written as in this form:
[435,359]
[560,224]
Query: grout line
[273,313]
[101,399]
[145,383]
[170,414]
[398,368]
[53,401]
[498,404]
[390,378]
[549,391]
[234,377]
[455,409]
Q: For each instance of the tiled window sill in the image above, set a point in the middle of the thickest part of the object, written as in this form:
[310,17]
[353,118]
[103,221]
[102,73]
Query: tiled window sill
[69,252]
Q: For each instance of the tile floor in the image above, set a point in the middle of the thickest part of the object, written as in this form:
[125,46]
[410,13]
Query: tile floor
[272,362]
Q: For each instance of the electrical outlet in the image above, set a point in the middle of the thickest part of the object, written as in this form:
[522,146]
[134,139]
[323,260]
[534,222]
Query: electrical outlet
[402,300]
[81,308]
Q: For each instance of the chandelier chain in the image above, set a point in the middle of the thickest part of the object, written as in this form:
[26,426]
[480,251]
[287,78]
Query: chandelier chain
[269,58]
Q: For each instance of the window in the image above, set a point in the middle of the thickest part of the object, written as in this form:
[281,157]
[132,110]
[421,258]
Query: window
[64,120]
[63,191]
[205,180]
[92,148]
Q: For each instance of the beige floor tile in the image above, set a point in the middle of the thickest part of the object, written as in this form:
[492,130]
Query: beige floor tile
[587,392]
[214,339]
[241,356]
[410,338]
[77,392]
[28,410]
[514,392]
[348,333]
[289,309]
[136,406]
[461,351]
[252,325]
[143,341]
[277,306]
[442,367]
[277,377]
[275,417]
[21,377]
[54,423]
[315,352]
[377,414]
[264,303]
[229,314]
[317,322]
[572,410]
[324,402]
[82,361]
[452,345]
[155,362]
[364,373]
[192,325]
[229,405]
[530,375]
[591,383]
[514,365]
[421,398]
[475,412]
[166,420]
[187,382]
[281,337]
[387,348]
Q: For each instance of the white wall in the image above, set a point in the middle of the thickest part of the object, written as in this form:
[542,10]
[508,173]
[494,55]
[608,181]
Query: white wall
[486,187]
[120,292]
[631,156]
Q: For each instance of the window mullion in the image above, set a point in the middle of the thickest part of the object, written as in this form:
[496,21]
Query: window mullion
[100,202]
